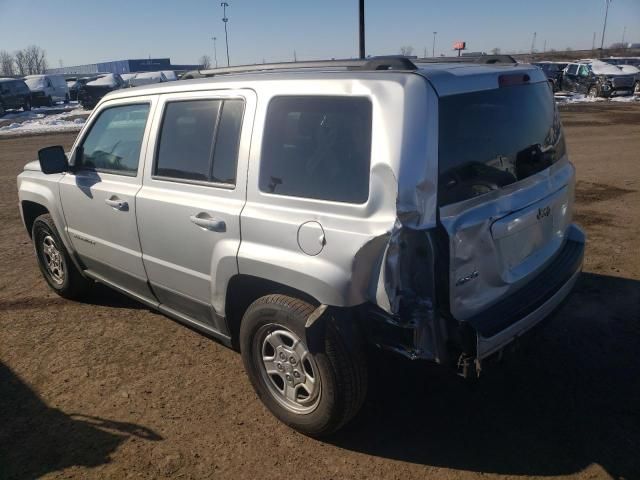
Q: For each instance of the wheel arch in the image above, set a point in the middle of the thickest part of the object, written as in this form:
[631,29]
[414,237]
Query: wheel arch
[30,211]
[243,290]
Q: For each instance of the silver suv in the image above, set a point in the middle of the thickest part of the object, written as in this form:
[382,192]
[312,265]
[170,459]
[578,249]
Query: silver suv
[307,213]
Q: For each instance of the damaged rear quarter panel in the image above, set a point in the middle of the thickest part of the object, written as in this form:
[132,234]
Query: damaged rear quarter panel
[345,272]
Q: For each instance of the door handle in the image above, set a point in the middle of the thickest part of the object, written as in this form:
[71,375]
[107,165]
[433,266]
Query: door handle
[116,203]
[205,221]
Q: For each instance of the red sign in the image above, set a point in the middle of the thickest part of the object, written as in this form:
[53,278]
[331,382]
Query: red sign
[460,45]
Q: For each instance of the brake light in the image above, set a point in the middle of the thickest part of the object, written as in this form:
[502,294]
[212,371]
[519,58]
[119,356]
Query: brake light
[513,79]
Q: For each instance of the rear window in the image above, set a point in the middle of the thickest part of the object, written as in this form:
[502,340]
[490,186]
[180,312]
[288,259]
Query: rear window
[317,147]
[493,138]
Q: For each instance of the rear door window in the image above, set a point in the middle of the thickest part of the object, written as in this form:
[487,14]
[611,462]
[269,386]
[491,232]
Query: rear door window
[493,138]
[317,147]
[572,69]
[199,140]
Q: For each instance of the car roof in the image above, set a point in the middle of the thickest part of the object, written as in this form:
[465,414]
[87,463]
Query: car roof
[446,78]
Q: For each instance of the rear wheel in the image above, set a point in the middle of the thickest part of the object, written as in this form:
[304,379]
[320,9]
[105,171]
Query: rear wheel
[54,261]
[636,88]
[66,98]
[314,393]
[27,105]
[593,92]
[50,101]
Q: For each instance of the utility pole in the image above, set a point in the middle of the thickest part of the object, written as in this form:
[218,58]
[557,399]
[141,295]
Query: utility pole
[544,48]
[593,42]
[533,42]
[361,29]
[624,32]
[425,53]
[604,27]
[215,51]
[295,57]
[224,6]
[433,47]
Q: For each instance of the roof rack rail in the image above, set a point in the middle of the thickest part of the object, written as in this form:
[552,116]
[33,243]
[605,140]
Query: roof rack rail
[489,59]
[372,63]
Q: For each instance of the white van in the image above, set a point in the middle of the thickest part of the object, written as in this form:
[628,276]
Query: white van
[47,89]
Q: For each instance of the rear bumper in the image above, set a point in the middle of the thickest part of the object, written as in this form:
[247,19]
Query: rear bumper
[504,322]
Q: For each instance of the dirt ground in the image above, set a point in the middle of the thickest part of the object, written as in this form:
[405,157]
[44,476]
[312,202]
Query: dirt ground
[109,389]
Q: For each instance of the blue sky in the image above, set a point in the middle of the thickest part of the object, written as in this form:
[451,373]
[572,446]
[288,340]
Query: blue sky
[89,31]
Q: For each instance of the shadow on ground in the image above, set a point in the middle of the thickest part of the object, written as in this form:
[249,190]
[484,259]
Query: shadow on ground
[36,439]
[569,398]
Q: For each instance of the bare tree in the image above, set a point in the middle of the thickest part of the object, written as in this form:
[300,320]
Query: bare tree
[36,59]
[21,62]
[406,50]
[31,60]
[205,61]
[495,51]
[7,64]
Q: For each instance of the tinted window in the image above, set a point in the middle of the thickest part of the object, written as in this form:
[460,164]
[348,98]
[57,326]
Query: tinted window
[226,152]
[115,138]
[493,138]
[317,147]
[572,69]
[188,148]
[187,139]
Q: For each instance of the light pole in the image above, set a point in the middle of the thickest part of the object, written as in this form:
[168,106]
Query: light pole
[224,6]
[433,47]
[604,27]
[215,51]
[361,28]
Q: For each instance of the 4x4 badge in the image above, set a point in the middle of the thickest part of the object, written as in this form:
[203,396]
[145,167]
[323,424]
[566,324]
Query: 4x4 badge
[543,212]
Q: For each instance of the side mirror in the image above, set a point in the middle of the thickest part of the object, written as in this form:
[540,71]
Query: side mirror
[53,160]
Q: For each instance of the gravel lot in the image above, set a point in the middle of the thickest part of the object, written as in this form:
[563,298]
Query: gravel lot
[109,389]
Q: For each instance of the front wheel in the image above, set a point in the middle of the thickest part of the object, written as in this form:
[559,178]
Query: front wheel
[636,88]
[66,98]
[54,261]
[314,393]
[27,105]
[593,92]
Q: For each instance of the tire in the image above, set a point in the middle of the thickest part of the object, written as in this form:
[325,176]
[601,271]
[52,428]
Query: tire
[332,381]
[2,110]
[54,261]
[50,102]
[66,98]
[636,88]
[27,105]
[592,92]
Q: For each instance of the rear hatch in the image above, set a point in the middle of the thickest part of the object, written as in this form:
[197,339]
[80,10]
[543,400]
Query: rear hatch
[505,189]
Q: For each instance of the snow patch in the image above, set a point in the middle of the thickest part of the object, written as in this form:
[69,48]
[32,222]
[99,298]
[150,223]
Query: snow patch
[41,123]
[567,98]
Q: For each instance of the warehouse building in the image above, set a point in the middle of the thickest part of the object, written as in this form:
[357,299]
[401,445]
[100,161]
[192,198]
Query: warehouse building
[124,66]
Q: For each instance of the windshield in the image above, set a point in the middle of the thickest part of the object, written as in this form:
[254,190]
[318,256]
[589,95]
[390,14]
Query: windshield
[35,83]
[493,138]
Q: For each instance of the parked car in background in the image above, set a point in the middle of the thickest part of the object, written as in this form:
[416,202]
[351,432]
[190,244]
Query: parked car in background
[75,84]
[596,78]
[553,71]
[14,94]
[630,65]
[47,89]
[93,91]
[147,78]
